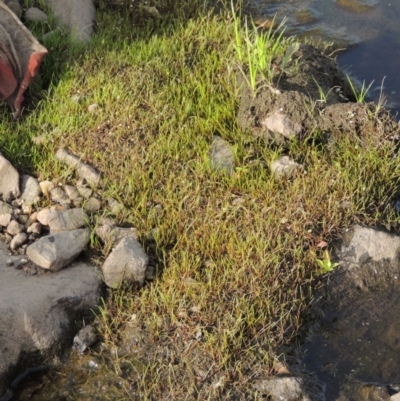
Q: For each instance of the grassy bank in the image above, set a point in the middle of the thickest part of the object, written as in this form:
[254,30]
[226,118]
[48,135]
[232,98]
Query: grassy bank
[236,257]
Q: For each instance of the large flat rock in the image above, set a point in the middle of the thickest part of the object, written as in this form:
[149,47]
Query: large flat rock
[39,315]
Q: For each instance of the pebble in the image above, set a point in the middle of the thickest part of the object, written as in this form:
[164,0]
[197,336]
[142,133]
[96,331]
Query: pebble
[34,14]
[18,241]
[46,187]
[58,195]
[93,205]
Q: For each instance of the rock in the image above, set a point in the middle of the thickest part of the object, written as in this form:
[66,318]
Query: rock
[34,228]
[38,314]
[85,192]
[34,14]
[85,339]
[279,123]
[364,392]
[92,107]
[126,263]
[395,397]
[5,219]
[70,219]
[72,193]
[9,180]
[281,389]
[92,205]
[30,190]
[19,240]
[46,187]
[58,195]
[368,259]
[221,156]
[115,206]
[15,7]
[15,228]
[88,173]
[285,167]
[111,235]
[357,6]
[56,251]
[76,15]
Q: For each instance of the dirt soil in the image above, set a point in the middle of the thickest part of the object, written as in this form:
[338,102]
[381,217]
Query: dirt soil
[315,95]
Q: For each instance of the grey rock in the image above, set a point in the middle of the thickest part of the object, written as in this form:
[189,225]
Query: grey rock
[69,219]
[85,192]
[58,195]
[34,228]
[72,193]
[23,219]
[85,339]
[56,251]
[38,314]
[88,173]
[115,206]
[76,15]
[363,392]
[111,235]
[5,219]
[15,7]
[282,389]
[368,259]
[126,263]
[285,167]
[221,156]
[279,123]
[30,190]
[19,240]
[46,187]
[9,180]
[92,205]
[15,228]
[34,14]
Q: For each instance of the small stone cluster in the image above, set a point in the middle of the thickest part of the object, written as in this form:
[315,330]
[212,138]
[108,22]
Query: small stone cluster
[50,238]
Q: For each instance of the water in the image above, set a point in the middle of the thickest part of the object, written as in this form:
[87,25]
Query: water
[357,342]
[367,29]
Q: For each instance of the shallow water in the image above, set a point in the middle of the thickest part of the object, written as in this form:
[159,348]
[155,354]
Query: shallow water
[357,342]
[368,29]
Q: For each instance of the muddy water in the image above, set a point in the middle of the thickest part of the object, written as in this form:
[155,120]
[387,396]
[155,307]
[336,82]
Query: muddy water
[368,29]
[357,341]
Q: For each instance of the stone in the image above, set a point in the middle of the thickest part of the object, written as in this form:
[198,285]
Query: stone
[285,167]
[64,220]
[39,314]
[92,107]
[15,7]
[395,397]
[92,205]
[34,228]
[77,16]
[111,235]
[85,339]
[34,14]
[46,187]
[9,180]
[368,259]
[72,193]
[115,206]
[88,173]
[58,195]
[5,219]
[55,251]
[30,189]
[221,156]
[15,228]
[85,192]
[364,392]
[126,263]
[19,240]
[279,123]
[281,389]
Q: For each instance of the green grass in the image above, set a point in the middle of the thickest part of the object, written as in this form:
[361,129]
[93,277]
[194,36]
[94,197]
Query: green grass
[234,278]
